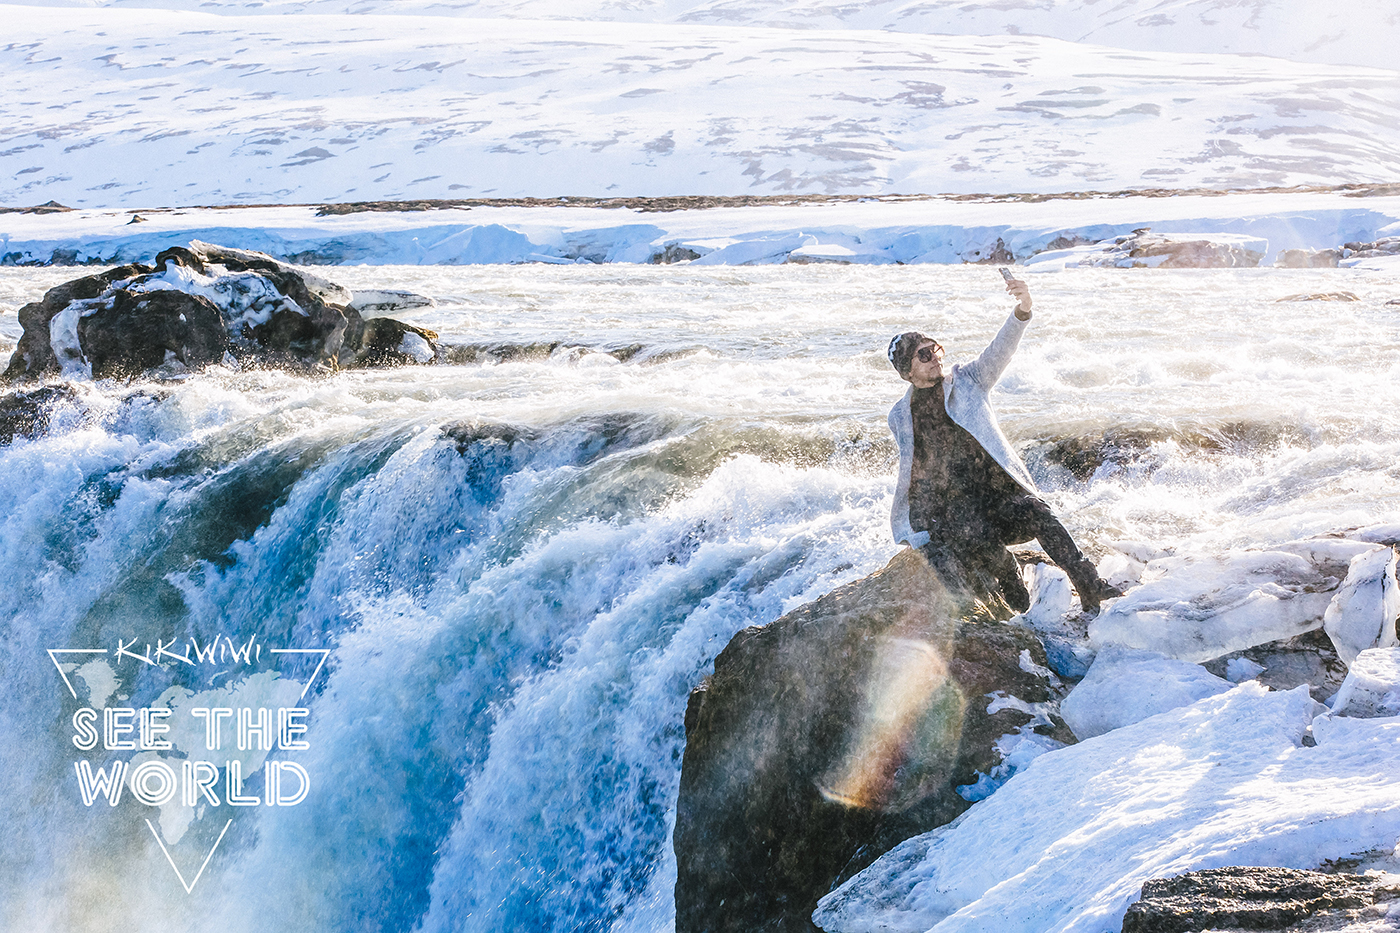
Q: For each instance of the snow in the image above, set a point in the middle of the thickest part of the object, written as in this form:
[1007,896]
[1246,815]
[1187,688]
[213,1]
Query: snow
[113,106]
[1295,29]
[1065,845]
[1125,686]
[1362,614]
[906,230]
[1372,685]
[1199,606]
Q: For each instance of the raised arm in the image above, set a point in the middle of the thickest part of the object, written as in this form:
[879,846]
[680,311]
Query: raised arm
[988,367]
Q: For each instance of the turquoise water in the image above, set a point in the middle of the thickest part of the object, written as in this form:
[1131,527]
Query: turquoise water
[518,569]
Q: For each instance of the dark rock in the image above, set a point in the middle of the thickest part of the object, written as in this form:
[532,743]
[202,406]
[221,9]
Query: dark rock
[1133,447]
[1143,249]
[384,341]
[998,255]
[27,413]
[1068,241]
[1322,296]
[1308,658]
[34,357]
[673,252]
[1191,254]
[264,312]
[827,737]
[1308,259]
[1255,899]
[137,331]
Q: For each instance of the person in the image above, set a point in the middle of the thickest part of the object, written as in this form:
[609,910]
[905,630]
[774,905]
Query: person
[963,494]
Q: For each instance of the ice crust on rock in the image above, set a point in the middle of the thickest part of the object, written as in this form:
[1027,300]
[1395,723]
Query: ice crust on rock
[1372,687]
[1125,686]
[1363,612]
[1199,607]
[1066,844]
[1143,249]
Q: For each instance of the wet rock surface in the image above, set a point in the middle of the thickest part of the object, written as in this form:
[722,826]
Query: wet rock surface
[828,736]
[203,304]
[1226,899]
[28,413]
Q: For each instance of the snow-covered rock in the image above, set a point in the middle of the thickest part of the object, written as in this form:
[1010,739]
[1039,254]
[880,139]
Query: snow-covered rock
[1067,844]
[1372,687]
[1198,607]
[1125,686]
[1363,612]
[200,305]
[1143,249]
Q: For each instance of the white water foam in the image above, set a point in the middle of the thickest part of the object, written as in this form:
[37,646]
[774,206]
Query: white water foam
[516,625]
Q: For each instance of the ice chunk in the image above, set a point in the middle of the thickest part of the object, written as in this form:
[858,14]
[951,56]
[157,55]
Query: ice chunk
[1200,607]
[1066,844]
[1238,670]
[1126,686]
[1372,687]
[1051,599]
[1362,614]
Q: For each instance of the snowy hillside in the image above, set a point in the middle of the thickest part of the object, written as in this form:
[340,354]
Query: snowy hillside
[123,107]
[1301,30]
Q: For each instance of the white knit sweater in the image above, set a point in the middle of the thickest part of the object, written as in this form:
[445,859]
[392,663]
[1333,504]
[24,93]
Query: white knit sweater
[966,391]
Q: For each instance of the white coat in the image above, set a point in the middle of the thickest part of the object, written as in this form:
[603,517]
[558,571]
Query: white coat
[966,394]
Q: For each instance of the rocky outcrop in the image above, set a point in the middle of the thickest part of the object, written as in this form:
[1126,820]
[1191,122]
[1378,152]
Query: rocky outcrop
[28,413]
[204,304]
[127,333]
[1322,296]
[1143,249]
[1262,899]
[875,713]
[1324,258]
[34,356]
[1308,259]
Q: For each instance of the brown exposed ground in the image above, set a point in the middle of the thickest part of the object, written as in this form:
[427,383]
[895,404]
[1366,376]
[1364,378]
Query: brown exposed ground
[701,202]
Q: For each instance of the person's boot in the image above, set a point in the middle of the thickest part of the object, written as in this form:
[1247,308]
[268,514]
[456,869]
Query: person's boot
[1091,594]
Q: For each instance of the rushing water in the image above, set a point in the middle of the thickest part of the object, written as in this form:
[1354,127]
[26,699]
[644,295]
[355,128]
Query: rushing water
[522,564]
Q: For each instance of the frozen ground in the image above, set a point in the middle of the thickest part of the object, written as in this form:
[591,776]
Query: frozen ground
[867,232]
[1296,29]
[1227,780]
[121,106]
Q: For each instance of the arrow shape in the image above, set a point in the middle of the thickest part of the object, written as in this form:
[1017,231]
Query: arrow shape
[57,651]
[323,652]
[189,887]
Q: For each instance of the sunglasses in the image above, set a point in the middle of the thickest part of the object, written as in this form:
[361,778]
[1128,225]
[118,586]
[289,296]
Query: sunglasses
[926,354]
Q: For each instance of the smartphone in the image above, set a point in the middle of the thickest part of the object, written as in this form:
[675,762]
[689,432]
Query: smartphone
[1006,274]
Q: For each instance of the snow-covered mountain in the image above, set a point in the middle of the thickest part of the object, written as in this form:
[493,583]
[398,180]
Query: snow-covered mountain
[1301,30]
[119,106]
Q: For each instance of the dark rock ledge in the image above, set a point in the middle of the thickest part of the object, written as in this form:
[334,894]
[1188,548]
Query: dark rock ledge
[828,736]
[1230,899]
[200,305]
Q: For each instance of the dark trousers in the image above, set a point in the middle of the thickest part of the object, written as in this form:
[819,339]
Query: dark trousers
[972,542]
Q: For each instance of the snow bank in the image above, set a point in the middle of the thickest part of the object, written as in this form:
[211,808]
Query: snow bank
[1125,686]
[1065,845]
[926,230]
[1199,607]
[1372,687]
